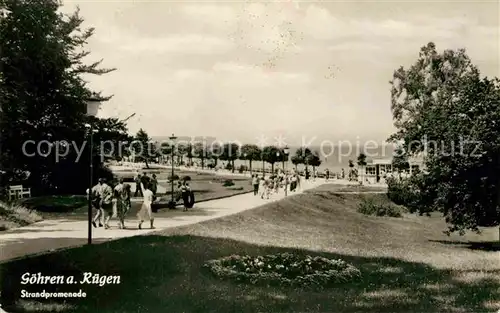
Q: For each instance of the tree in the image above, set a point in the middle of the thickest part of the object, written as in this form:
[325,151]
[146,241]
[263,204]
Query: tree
[250,153]
[351,170]
[269,155]
[361,163]
[296,160]
[400,161]
[300,156]
[200,150]
[43,96]
[144,149]
[314,160]
[442,104]
[230,152]
[215,151]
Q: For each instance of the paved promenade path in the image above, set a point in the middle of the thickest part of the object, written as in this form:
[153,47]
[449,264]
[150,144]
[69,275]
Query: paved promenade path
[50,235]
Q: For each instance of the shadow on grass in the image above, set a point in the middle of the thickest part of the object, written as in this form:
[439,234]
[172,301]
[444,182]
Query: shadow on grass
[164,274]
[472,245]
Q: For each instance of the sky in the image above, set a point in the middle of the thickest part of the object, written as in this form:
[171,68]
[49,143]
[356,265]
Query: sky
[254,71]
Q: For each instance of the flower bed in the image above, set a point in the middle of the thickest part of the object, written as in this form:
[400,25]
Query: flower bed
[284,269]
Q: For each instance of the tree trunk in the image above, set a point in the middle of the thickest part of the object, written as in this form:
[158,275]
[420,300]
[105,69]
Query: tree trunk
[145,161]
[250,165]
[202,162]
[232,166]
[272,168]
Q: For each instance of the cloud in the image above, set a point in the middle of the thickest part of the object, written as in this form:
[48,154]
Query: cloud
[179,44]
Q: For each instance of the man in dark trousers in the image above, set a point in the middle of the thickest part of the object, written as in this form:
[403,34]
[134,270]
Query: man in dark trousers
[138,189]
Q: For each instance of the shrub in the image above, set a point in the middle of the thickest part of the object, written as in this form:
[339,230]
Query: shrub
[229,166]
[284,269]
[242,169]
[228,183]
[371,207]
[15,215]
[186,178]
[236,188]
[405,192]
[175,177]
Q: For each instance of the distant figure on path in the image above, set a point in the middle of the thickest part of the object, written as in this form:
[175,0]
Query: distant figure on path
[154,184]
[186,195]
[266,182]
[146,213]
[106,201]
[138,189]
[327,174]
[255,183]
[343,174]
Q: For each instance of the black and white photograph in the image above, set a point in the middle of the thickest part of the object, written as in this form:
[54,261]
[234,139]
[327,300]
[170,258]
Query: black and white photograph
[247,156]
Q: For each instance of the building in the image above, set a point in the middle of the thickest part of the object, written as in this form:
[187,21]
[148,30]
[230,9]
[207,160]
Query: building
[377,170]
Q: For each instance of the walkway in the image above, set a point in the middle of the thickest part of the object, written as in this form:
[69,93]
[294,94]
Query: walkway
[49,235]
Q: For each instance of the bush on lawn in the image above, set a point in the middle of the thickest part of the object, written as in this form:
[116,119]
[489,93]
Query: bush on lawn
[401,191]
[229,166]
[369,206]
[228,183]
[176,177]
[16,215]
[186,178]
[55,204]
[236,188]
[284,269]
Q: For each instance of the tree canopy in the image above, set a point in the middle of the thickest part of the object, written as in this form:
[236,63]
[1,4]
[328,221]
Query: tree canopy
[444,110]
[43,95]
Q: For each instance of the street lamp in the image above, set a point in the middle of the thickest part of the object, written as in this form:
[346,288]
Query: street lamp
[245,158]
[172,202]
[277,157]
[92,110]
[286,151]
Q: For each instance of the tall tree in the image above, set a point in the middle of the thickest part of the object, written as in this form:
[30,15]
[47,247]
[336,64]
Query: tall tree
[314,160]
[442,104]
[400,161]
[200,151]
[230,152]
[42,93]
[145,150]
[361,163]
[251,153]
[269,155]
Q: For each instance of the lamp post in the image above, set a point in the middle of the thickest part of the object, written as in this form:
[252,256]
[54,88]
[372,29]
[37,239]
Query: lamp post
[92,110]
[172,202]
[245,158]
[286,151]
[277,158]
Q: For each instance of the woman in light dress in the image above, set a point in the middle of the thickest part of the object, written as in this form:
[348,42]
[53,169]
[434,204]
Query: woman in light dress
[146,212]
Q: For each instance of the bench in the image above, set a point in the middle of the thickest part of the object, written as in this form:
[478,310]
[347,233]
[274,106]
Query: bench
[18,192]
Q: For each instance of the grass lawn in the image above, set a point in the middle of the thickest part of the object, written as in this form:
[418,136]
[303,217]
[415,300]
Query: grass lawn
[407,264]
[206,186]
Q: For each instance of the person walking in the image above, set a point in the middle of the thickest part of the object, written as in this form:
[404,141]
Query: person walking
[146,212]
[122,202]
[138,189]
[255,183]
[96,201]
[106,202]
[154,184]
[185,194]
[327,174]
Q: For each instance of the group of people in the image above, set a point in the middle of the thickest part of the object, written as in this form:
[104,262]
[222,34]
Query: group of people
[272,184]
[115,202]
